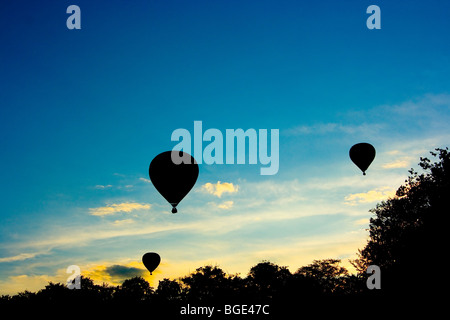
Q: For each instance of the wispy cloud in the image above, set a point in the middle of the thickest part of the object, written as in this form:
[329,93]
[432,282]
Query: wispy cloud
[118,207]
[326,128]
[260,202]
[429,105]
[19,257]
[219,188]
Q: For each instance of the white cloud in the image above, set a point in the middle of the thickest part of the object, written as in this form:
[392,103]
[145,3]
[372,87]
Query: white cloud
[225,205]
[99,186]
[118,207]
[362,221]
[378,194]
[123,222]
[400,163]
[219,188]
[393,152]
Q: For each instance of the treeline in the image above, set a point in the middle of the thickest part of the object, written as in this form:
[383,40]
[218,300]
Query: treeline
[407,241]
[266,281]
[266,284]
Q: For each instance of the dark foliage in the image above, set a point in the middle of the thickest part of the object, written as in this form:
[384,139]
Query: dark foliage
[408,232]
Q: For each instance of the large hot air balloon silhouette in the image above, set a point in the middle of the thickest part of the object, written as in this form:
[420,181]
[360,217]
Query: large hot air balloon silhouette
[151,261]
[362,154]
[173,181]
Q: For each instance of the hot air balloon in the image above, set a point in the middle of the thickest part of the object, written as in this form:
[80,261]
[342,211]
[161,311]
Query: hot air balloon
[173,181]
[151,261]
[362,154]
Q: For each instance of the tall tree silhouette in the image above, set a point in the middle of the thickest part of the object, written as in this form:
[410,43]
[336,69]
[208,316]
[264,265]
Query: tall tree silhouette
[407,234]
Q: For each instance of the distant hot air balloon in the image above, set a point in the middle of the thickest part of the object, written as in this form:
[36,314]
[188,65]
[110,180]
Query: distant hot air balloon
[151,261]
[173,181]
[362,154]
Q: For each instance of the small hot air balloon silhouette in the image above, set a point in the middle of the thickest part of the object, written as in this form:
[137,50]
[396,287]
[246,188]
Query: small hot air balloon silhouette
[173,181]
[151,261]
[362,154]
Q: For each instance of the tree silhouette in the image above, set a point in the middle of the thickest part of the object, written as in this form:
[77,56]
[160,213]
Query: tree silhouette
[55,293]
[407,234]
[324,276]
[267,279]
[21,298]
[169,290]
[134,290]
[208,283]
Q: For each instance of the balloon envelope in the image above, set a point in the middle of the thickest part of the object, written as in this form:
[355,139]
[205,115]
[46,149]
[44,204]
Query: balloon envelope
[173,181]
[362,154]
[151,261]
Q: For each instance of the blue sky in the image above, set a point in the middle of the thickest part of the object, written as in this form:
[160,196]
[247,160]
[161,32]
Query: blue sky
[83,112]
